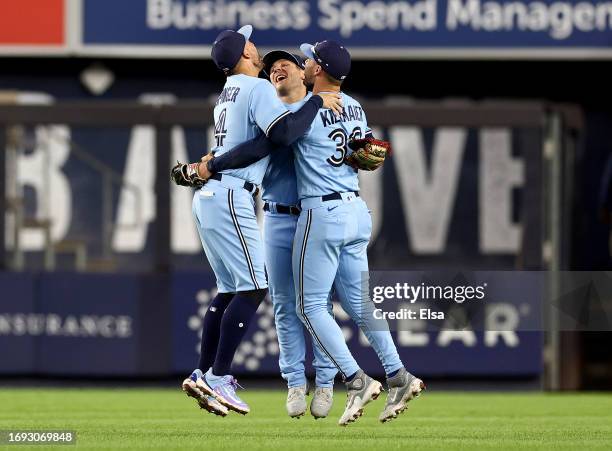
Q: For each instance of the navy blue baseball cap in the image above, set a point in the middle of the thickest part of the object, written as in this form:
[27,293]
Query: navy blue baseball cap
[331,56]
[228,47]
[271,57]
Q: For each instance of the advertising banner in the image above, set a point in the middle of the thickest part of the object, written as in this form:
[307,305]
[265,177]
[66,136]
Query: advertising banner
[372,29]
[508,344]
[18,349]
[83,324]
[125,325]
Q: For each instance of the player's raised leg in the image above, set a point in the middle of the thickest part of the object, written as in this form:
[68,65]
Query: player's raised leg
[235,322]
[319,238]
[194,385]
[352,287]
[315,261]
[228,227]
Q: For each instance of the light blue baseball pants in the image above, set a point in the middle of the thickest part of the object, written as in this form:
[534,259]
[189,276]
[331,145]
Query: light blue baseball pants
[279,230]
[330,248]
[225,217]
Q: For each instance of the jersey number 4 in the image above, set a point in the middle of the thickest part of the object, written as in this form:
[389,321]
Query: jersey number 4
[339,136]
[220,130]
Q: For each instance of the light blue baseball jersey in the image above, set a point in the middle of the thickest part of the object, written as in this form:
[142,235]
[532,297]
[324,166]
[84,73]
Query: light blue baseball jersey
[319,154]
[246,106]
[279,184]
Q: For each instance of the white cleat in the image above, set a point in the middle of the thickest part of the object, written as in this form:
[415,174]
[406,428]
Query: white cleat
[403,388]
[321,402]
[296,401]
[194,387]
[359,392]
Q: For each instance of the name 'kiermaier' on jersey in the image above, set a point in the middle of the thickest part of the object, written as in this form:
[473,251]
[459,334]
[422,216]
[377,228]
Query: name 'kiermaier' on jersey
[245,107]
[319,154]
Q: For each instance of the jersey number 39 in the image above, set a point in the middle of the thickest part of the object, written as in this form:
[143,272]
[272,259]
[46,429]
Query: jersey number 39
[339,136]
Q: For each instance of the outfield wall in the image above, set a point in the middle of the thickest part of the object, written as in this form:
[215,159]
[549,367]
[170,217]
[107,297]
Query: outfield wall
[138,325]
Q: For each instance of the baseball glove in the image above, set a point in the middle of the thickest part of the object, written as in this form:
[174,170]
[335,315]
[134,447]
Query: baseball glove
[186,175]
[368,153]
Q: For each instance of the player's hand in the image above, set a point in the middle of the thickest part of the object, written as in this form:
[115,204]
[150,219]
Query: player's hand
[368,154]
[203,171]
[332,101]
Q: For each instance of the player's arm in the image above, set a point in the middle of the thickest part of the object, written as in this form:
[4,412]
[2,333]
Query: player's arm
[279,133]
[279,124]
[293,125]
[243,155]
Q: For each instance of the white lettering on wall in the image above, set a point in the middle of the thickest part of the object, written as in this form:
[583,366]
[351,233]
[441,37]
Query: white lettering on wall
[428,194]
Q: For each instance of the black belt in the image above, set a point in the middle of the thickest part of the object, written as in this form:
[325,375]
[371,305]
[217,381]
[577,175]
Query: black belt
[337,196]
[247,185]
[284,209]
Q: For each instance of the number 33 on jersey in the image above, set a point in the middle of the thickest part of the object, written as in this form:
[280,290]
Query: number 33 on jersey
[319,154]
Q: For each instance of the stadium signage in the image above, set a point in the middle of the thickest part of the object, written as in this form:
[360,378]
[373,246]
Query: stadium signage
[373,29]
[558,19]
[426,203]
[107,326]
[506,344]
[76,324]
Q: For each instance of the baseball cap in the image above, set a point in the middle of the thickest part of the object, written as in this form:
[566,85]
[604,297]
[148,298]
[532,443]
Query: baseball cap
[271,57]
[331,56]
[228,47]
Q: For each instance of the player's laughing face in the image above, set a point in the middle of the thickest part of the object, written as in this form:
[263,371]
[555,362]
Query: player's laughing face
[285,75]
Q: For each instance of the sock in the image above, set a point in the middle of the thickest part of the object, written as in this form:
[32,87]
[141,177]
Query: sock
[351,377]
[234,325]
[211,325]
[392,373]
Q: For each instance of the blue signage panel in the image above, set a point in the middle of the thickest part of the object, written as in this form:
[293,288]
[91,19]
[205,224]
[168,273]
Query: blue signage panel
[17,308]
[96,325]
[515,350]
[84,324]
[359,24]
[91,324]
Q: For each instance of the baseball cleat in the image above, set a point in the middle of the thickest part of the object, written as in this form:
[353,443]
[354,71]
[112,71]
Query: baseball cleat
[403,387]
[210,404]
[296,401]
[193,387]
[359,392]
[321,402]
[223,389]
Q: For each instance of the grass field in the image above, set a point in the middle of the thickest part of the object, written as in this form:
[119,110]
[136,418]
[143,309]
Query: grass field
[164,419]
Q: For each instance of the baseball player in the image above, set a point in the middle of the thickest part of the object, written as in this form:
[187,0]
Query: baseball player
[223,210]
[331,240]
[279,192]
[330,245]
